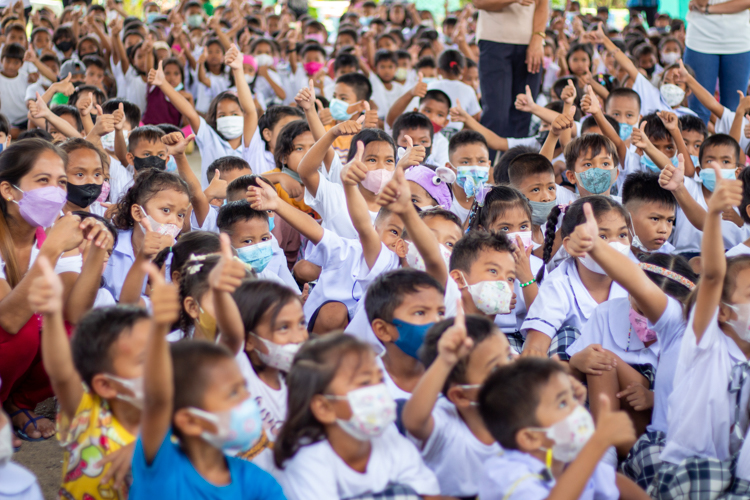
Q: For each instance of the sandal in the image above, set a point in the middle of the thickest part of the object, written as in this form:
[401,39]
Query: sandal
[21,433]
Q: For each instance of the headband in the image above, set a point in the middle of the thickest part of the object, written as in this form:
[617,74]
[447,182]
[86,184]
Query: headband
[668,274]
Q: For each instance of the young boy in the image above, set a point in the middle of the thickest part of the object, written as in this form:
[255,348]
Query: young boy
[385,90]
[744,247]
[534,176]
[624,105]
[199,394]
[354,90]
[550,446]
[469,157]
[94,72]
[99,421]
[14,80]
[459,354]
[660,133]
[652,212]
[115,143]
[591,164]
[694,132]
[417,126]
[4,132]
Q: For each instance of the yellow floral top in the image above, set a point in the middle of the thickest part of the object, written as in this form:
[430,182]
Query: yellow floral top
[91,435]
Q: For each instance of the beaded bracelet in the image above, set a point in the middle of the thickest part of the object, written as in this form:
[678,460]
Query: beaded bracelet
[524,285]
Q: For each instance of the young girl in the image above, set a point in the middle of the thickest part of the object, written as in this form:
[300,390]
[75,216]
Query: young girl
[568,297]
[230,122]
[267,84]
[149,217]
[131,69]
[429,188]
[451,67]
[339,441]
[159,109]
[269,127]
[85,171]
[173,258]
[578,60]
[210,77]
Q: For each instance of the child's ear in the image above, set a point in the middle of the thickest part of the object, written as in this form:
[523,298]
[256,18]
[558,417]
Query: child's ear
[458,278]
[565,243]
[450,166]
[383,331]
[191,425]
[192,307]
[571,176]
[401,248]
[725,313]
[130,157]
[457,396]
[737,171]
[266,133]
[136,212]
[322,409]
[528,440]
[176,277]
[103,386]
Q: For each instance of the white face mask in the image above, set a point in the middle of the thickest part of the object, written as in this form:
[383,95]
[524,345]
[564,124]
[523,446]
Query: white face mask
[570,434]
[108,140]
[415,260]
[672,94]
[278,356]
[592,266]
[230,127]
[170,229]
[6,444]
[134,385]
[490,297]
[669,58]
[741,325]
[525,238]
[264,60]
[373,410]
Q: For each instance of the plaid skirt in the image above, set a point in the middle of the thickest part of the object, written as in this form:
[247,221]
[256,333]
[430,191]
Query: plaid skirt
[740,490]
[696,478]
[643,461]
[392,492]
[563,339]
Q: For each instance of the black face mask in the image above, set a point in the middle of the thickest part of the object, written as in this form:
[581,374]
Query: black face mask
[83,195]
[650,71]
[64,46]
[427,152]
[541,137]
[149,162]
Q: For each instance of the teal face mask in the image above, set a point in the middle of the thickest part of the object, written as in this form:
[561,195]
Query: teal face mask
[626,130]
[649,164]
[708,176]
[472,179]
[338,110]
[596,180]
[256,256]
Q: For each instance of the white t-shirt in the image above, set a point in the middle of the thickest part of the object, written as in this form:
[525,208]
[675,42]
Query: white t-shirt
[71,264]
[740,249]
[718,33]
[263,89]
[204,95]
[316,471]
[121,178]
[330,203]
[453,453]
[458,91]
[461,212]
[439,153]
[272,402]
[260,160]
[13,103]
[130,85]
[383,97]
[213,147]
[724,125]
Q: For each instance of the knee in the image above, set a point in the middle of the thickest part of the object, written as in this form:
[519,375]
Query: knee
[332,317]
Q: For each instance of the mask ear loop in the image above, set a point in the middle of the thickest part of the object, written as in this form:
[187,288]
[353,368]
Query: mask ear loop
[466,283]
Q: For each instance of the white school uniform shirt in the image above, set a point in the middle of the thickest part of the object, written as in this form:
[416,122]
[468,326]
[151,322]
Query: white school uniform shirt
[564,301]
[204,95]
[458,91]
[740,249]
[272,403]
[439,152]
[17,483]
[209,223]
[514,475]
[130,85]
[260,160]
[701,410]
[330,203]
[453,453]
[512,322]
[316,471]
[119,263]
[724,125]
[383,97]
[121,178]
[212,147]
[72,264]
[461,212]
[395,391]
[523,141]
[610,327]
[263,89]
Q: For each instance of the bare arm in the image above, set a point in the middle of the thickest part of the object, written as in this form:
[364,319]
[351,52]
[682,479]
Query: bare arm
[265,198]
[704,96]
[233,59]
[493,5]
[731,7]
[590,104]
[224,279]
[306,100]
[458,114]
[82,295]
[39,110]
[156,77]
[352,174]
[308,167]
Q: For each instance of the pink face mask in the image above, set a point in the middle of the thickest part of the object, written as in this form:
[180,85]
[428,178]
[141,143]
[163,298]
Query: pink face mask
[312,67]
[375,180]
[105,192]
[318,37]
[640,325]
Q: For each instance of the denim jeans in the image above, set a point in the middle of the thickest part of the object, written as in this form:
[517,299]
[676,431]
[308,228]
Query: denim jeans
[732,70]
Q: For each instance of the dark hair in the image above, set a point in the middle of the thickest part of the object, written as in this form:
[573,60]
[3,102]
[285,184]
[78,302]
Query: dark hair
[579,47]
[50,57]
[675,263]
[644,49]
[390,290]
[93,338]
[526,165]
[359,84]
[256,298]
[146,133]
[574,216]
[500,173]
[467,249]
[348,32]
[285,140]
[644,187]
[241,183]
[509,398]
[110,227]
[188,244]
[147,185]
[132,112]
[623,92]
[36,133]
[226,164]
[425,62]
[478,328]
[90,39]
[589,142]
[558,88]
[452,62]
[271,43]
[345,60]
[273,115]
[173,60]
[81,90]
[690,123]
[383,55]
[412,120]
[655,129]
[131,51]
[237,211]
[192,362]
[443,213]
[194,283]
[745,178]
[368,135]
[76,143]
[497,201]
[168,128]
[437,96]
[314,368]
[466,137]
[64,109]
[227,95]
[590,122]
[312,47]
[13,51]
[720,140]
[4,124]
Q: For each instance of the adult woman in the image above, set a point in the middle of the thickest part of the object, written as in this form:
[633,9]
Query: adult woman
[33,189]
[718,45]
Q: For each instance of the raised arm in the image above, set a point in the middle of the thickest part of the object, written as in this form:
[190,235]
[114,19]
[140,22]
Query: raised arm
[622,59]
[233,59]
[672,124]
[459,114]
[224,279]
[704,96]
[673,179]
[399,107]
[306,100]
[31,56]
[640,140]
[525,102]
[308,166]
[156,77]
[176,145]
[562,123]
[39,110]
[265,198]
[742,109]
[590,104]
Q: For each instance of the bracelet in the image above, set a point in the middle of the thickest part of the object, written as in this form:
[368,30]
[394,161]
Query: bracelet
[524,285]
[541,34]
[706,10]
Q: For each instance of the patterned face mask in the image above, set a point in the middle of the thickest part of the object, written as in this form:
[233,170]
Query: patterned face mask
[490,297]
[373,410]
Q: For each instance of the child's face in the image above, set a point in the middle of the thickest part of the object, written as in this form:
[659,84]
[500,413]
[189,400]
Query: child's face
[588,160]
[425,306]
[249,232]
[57,136]
[314,56]
[419,137]
[647,61]
[300,146]
[379,155]
[288,328]
[233,174]
[273,24]
[471,78]
[173,75]
[11,66]
[446,232]
[228,107]
[354,372]
[345,70]
[215,55]
[420,197]
[693,140]
[491,353]
[671,47]
[673,76]
[387,44]
[624,109]
[473,155]
[386,70]
[263,49]
[42,40]
[271,135]
[84,167]
[17,36]
[145,148]
[428,72]
[539,187]
[344,93]
[131,39]
[652,222]
[721,155]
[404,62]
[87,48]
[128,356]
[139,59]
[436,111]
[613,227]
[513,220]
[390,230]
[492,265]
[94,75]
[345,40]
[556,402]
[665,145]
[226,387]
[579,63]
[167,207]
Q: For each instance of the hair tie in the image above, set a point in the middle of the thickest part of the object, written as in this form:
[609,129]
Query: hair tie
[453,64]
[668,274]
[563,208]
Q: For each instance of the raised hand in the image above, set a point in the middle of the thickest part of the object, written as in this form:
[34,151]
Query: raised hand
[349,127]
[581,241]
[38,108]
[396,195]
[639,138]
[563,122]
[589,102]
[672,177]
[355,171]
[177,143]
[120,118]
[613,428]
[263,197]
[525,102]
[229,272]
[370,117]
[46,292]
[420,89]
[104,123]
[727,192]
[414,155]
[85,104]
[165,298]
[233,58]
[669,120]
[153,242]
[455,343]
[458,113]
[217,188]
[305,98]
[569,93]
[156,76]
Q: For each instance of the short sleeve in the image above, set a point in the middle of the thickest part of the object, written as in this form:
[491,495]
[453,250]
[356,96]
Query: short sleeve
[304,478]
[411,469]
[671,324]
[72,264]
[605,484]
[650,95]
[255,155]
[472,105]
[434,446]
[164,463]
[592,331]
[549,311]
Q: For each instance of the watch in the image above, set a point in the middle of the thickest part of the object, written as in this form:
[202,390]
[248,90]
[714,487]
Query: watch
[706,10]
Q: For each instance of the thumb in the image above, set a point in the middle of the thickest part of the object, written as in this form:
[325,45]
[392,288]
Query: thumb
[360,151]
[160,68]
[409,141]
[680,162]
[67,78]
[44,265]
[717,170]
[190,138]
[38,97]
[642,125]
[742,95]
[367,106]
[154,274]
[528,91]
[91,96]
[460,314]
[589,213]
[311,85]
[226,247]
[587,89]
[121,108]
[146,223]
[99,110]
[217,174]
[458,104]
[572,112]
[604,406]
[420,77]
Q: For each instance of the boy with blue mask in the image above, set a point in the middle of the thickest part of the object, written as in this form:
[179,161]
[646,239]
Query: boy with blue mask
[624,105]
[658,140]
[591,162]
[470,159]
[351,96]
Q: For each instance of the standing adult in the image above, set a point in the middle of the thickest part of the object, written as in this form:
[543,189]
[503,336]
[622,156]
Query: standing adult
[718,46]
[648,7]
[511,46]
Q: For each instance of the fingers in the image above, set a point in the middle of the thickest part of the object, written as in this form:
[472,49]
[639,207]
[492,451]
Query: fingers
[360,151]
[572,112]
[146,224]
[529,94]
[409,142]
[226,247]
[47,271]
[420,77]
[160,69]
[604,406]
[742,94]
[589,213]
[217,174]
[99,111]
[311,86]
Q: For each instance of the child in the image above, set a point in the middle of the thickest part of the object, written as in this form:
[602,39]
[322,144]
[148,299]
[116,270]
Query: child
[351,95]
[210,78]
[451,66]
[267,82]
[18,482]
[744,247]
[694,132]
[419,128]
[198,393]
[659,137]
[568,297]
[158,108]
[385,90]
[269,126]
[429,188]
[550,446]
[470,159]
[624,105]
[533,175]
[459,355]
[435,105]
[652,213]
[591,164]
[334,377]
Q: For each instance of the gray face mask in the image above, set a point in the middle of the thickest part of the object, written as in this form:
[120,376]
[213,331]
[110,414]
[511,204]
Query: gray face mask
[540,211]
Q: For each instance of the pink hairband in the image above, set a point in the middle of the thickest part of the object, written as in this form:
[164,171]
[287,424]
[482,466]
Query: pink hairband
[668,274]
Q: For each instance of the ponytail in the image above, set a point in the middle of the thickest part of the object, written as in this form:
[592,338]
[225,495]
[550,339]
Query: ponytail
[549,240]
[13,274]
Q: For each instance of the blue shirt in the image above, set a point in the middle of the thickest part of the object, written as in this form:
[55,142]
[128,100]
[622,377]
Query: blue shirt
[171,475]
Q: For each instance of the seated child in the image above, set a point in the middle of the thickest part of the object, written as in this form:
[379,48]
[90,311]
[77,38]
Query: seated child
[385,89]
[351,95]
[419,128]
[435,105]
[652,213]
[470,159]
[269,126]
[694,132]
[533,175]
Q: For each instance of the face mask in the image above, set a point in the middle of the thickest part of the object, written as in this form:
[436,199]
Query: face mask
[171,164]
[230,127]
[256,256]
[650,71]
[410,336]
[590,264]
[626,130]
[338,108]
[312,67]
[318,37]
[541,137]
[637,243]
[672,94]
[640,326]
[278,356]
[649,164]
[237,429]
[373,410]
[40,207]
[401,73]
[108,140]
[134,385]
[271,224]
[429,79]
[525,238]
[596,180]
[105,192]
[376,180]
[6,444]
[64,46]
[169,229]
[415,260]
[669,58]
[206,324]
[741,325]
[570,434]
[472,179]
[179,87]
[264,60]
[149,162]
[696,161]
[708,176]
[540,211]
[195,20]
[490,297]
[83,195]
[249,79]
[435,127]
[151,16]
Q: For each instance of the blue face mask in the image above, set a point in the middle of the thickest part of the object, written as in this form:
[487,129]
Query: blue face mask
[410,336]
[626,130]
[429,79]
[708,176]
[271,223]
[596,180]
[256,256]
[338,110]
[696,161]
[171,164]
[179,87]
[151,16]
[649,164]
